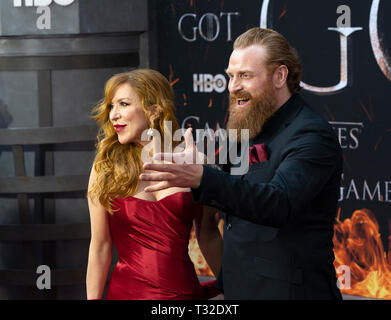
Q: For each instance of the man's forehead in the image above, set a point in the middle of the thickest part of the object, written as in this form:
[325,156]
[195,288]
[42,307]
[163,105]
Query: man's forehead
[247,58]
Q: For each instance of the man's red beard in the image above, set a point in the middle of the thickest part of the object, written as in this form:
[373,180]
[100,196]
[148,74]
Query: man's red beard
[254,114]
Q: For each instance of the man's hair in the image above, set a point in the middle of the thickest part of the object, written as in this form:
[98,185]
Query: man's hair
[278,52]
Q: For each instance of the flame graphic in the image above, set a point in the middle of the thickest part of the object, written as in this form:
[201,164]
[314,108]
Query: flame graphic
[200,264]
[358,245]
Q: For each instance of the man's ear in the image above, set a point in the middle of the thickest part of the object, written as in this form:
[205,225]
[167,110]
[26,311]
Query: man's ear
[280,76]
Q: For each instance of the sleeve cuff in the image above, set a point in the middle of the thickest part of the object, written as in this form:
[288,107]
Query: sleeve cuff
[197,191]
[209,188]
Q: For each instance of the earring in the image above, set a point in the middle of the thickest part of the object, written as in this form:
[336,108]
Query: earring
[150,132]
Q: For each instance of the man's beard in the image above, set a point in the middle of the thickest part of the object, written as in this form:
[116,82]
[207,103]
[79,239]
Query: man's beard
[252,116]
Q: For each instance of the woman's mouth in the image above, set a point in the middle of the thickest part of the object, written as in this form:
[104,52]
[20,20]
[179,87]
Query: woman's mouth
[119,127]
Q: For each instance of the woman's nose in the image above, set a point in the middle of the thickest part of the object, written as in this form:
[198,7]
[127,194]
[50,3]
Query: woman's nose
[114,114]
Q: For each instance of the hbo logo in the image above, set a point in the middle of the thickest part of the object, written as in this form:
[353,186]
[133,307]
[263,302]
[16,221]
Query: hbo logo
[42,3]
[209,83]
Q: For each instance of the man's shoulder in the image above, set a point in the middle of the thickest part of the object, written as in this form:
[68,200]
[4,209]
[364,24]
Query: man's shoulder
[309,128]
[310,120]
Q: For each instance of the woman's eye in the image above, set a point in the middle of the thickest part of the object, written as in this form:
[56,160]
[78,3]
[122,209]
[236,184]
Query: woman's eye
[123,104]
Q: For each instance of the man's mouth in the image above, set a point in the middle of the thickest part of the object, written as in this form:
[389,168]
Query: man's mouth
[241,102]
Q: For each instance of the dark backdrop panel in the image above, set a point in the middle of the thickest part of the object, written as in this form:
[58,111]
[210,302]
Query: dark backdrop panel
[196,38]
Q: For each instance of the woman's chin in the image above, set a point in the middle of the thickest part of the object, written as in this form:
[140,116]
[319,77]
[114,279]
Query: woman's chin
[123,141]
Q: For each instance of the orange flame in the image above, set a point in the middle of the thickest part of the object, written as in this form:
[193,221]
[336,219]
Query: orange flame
[171,75]
[283,13]
[172,83]
[358,245]
[201,266]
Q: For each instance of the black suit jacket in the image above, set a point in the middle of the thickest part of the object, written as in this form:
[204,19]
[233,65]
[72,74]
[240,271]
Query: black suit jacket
[279,216]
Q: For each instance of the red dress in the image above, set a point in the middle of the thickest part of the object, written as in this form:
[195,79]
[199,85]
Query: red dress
[151,238]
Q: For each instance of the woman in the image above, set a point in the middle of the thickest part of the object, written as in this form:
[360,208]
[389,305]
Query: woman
[150,230]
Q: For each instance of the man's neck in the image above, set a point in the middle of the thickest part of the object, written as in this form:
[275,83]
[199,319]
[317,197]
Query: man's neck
[282,97]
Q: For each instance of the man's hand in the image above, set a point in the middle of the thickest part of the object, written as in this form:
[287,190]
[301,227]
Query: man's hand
[184,169]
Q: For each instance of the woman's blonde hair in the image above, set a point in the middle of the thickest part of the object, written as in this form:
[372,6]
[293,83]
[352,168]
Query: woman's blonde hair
[117,165]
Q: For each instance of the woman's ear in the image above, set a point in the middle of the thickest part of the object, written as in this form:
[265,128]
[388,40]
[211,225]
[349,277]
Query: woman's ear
[154,112]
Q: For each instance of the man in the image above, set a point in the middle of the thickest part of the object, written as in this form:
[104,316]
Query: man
[280,214]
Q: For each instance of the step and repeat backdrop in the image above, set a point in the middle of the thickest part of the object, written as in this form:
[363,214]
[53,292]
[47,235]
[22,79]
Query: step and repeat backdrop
[344,48]
[55,57]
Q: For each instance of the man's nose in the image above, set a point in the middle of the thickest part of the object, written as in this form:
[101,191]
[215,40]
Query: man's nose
[234,85]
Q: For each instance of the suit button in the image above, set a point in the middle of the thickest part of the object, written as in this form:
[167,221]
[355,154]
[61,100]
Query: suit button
[229,226]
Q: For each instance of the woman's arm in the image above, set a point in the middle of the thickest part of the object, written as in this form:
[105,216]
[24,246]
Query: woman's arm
[100,251]
[209,238]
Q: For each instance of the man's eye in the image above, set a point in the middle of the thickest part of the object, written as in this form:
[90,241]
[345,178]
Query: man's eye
[245,75]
